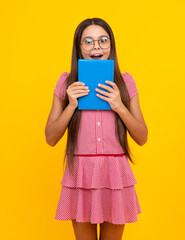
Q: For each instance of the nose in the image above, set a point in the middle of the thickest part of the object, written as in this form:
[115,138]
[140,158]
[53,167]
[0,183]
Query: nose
[96,45]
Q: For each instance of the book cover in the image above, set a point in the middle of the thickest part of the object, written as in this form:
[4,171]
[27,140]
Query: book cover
[92,72]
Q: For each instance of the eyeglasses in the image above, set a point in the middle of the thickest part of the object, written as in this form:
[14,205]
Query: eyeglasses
[88,43]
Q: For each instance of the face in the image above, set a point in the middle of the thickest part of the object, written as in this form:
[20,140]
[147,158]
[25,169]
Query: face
[95,32]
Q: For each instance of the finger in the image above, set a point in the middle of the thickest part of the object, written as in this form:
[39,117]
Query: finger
[81,87]
[110,89]
[77,90]
[103,92]
[78,87]
[80,95]
[104,98]
[76,84]
[112,84]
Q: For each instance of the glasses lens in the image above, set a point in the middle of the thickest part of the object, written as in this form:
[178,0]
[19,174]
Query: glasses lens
[104,43]
[87,43]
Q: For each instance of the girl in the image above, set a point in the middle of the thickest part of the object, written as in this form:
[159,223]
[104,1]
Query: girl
[98,182]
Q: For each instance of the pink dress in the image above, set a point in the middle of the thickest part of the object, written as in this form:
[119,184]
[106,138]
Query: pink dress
[102,188]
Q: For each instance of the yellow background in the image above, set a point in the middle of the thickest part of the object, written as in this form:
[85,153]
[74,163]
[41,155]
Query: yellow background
[36,47]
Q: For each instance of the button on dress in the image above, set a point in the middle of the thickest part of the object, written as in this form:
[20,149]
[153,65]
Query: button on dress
[102,187]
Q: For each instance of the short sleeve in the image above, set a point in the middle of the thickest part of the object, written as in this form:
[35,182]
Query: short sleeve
[130,83]
[60,88]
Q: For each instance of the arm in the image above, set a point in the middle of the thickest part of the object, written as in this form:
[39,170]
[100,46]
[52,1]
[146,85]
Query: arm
[58,121]
[134,121]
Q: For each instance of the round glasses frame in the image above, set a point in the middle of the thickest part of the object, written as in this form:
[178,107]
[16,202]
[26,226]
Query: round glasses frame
[94,44]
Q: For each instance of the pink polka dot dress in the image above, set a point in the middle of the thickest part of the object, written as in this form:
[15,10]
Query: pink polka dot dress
[102,187]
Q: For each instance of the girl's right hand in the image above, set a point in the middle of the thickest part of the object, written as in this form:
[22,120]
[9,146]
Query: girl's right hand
[75,90]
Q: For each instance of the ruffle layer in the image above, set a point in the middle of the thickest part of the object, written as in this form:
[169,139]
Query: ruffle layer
[113,172]
[98,205]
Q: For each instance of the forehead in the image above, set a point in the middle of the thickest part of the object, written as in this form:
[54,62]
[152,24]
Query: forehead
[94,31]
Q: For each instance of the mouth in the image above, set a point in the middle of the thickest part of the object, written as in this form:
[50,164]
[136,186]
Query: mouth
[96,56]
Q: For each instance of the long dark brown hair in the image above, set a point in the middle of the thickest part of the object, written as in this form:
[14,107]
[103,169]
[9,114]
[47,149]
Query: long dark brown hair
[73,127]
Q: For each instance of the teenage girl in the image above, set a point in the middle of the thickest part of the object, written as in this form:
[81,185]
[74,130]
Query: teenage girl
[98,182]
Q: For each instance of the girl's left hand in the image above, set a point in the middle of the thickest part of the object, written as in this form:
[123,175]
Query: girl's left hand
[112,97]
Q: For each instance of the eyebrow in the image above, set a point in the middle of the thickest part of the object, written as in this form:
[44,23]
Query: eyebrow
[99,36]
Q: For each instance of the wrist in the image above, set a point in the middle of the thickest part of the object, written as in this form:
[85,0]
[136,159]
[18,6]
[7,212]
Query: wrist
[121,109]
[72,107]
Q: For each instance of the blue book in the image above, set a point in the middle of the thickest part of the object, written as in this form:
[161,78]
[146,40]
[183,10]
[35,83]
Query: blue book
[91,72]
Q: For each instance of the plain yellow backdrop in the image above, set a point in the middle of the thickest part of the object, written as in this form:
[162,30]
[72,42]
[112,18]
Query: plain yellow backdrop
[36,47]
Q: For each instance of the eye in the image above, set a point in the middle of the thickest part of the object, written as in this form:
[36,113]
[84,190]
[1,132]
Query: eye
[103,39]
[88,40]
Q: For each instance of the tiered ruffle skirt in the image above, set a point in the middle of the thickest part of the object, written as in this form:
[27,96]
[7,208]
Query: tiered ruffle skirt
[101,189]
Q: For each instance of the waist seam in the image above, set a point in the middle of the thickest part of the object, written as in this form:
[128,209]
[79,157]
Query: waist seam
[92,155]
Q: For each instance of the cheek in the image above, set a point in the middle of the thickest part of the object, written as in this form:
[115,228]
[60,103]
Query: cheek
[82,53]
[108,52]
